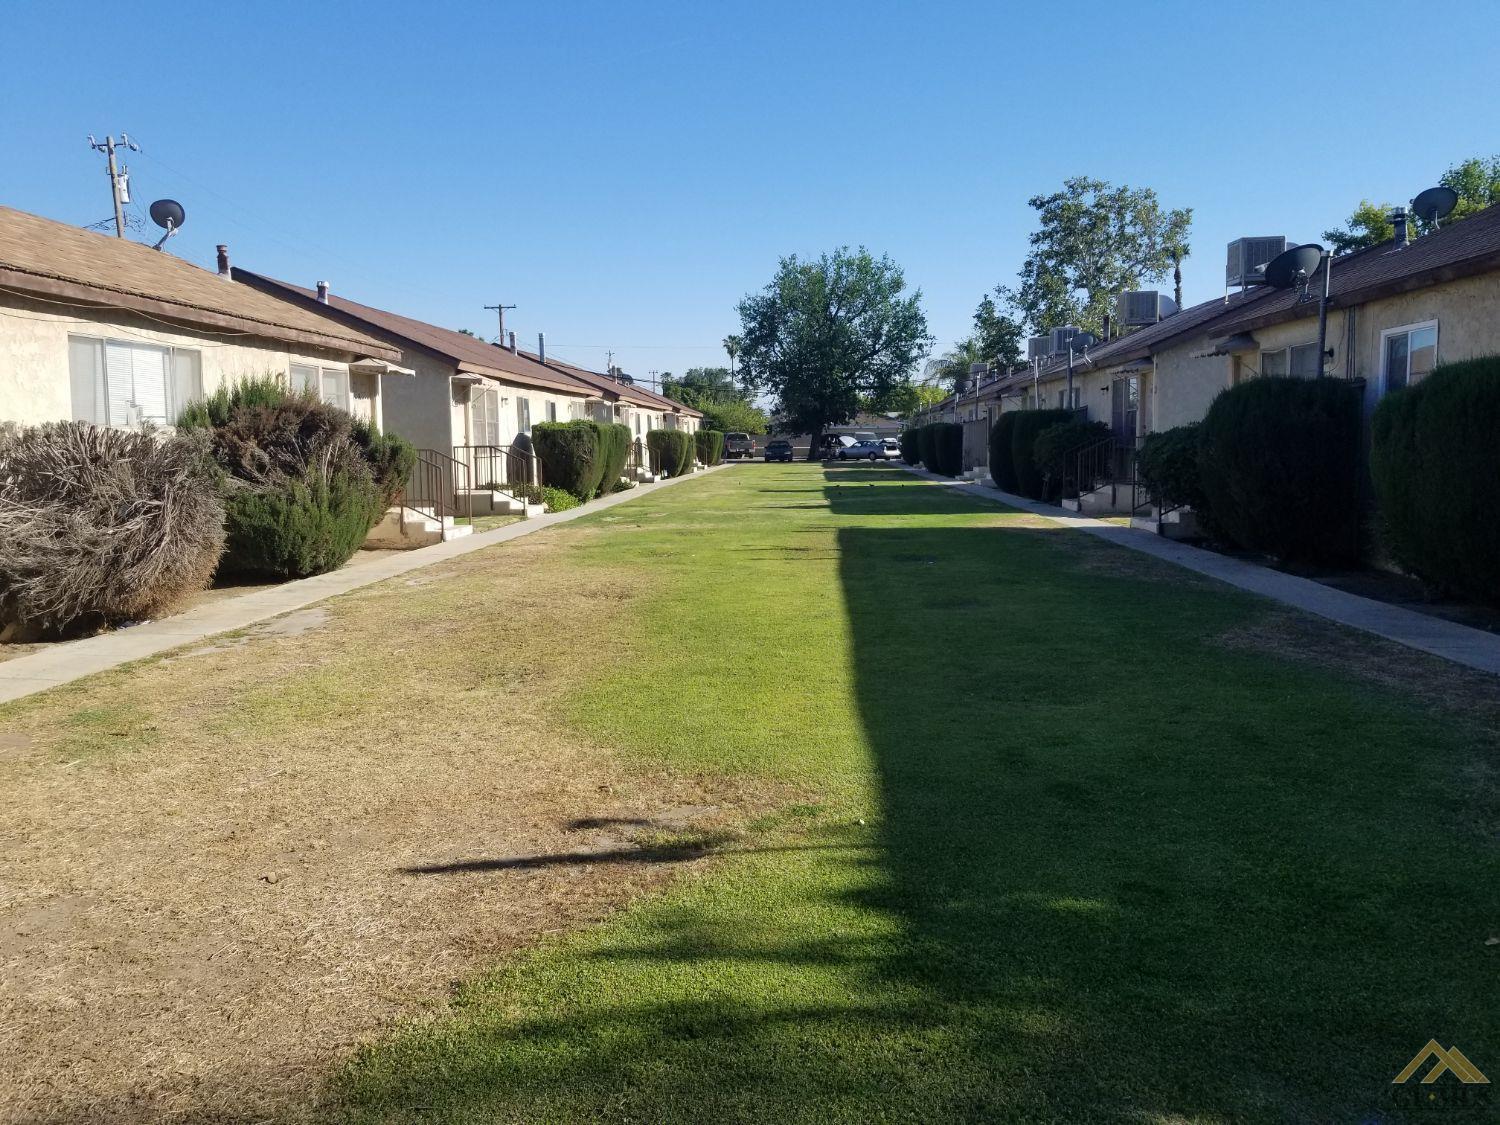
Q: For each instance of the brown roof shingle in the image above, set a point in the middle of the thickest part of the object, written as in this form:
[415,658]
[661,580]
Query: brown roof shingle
[46,259]
[467,353]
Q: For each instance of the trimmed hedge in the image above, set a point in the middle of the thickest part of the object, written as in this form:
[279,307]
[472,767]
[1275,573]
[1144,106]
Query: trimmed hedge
[672,451]
[1026,428]
[1055,447]
[1279,459]
[927,446]
[571,455]
[1437,479]
[1168,466]
[557,499]
[710,446]
[614,452]
[910,453]
[1002,460]
[946,442]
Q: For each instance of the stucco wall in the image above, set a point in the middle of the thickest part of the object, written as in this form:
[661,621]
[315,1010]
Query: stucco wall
[34,383]
[1184,383]
[419,407]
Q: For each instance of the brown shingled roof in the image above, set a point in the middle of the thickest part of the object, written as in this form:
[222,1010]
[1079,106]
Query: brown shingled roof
[49,260]
[467,353]
[630,392]
[1463,249]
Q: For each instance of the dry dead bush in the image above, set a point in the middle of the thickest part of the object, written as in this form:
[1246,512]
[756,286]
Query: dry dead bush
[100,526]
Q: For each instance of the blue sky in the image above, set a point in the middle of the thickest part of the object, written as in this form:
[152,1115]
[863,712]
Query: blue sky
[625,173]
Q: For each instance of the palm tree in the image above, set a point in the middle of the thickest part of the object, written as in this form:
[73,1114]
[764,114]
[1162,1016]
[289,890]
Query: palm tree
[732,345]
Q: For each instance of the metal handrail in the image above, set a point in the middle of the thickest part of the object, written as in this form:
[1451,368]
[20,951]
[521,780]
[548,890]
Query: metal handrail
[428,492]
[495,468]
[1104,461]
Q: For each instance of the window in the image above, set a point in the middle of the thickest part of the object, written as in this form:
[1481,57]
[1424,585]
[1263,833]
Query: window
[484,416]
[330,384]
[551,410]
[1300,360]
[123,384]
[523,415]
[1407,355]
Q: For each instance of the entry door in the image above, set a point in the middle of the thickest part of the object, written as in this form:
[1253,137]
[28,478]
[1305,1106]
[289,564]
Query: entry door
[1124,406]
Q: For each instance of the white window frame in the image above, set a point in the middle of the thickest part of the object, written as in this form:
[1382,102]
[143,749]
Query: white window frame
[319,373]
[1287,352]
[523,415]
[172,396]
[484,416]
[1407,330]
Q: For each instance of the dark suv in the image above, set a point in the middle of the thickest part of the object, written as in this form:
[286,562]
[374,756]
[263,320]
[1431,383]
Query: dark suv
[778,450]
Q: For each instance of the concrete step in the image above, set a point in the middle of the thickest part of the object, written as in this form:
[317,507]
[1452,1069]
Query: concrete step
[487,502]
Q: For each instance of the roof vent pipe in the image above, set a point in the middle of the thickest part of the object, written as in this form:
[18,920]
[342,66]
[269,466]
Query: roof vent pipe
[512,343]
[322,292]
[1398,220]
[541,346]
[223,260]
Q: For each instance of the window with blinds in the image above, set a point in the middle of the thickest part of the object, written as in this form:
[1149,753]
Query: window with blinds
[484,416]
[128,385]
[523,415]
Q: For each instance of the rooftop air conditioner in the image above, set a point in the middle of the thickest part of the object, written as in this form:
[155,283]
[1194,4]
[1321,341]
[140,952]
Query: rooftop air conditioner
[1137,307]
[1060,338]
[1248,258]
[1038,347]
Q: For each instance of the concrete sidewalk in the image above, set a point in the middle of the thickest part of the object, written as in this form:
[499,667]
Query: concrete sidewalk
[1473,648]
[72,660]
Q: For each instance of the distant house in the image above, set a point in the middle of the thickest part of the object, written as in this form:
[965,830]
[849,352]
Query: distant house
[628,403]
[106,330]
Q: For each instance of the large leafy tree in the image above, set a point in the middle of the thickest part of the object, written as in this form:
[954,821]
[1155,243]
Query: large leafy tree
[1476,180]
[1093,241]
[829,332]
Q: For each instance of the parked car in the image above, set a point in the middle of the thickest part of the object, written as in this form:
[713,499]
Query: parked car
[876,449]
[778,450]
[738,445]
[832,446]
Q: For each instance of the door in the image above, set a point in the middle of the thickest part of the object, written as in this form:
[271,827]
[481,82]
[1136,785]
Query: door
[1124,408]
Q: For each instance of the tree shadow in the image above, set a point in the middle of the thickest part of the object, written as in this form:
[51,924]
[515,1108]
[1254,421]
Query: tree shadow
[1114,869]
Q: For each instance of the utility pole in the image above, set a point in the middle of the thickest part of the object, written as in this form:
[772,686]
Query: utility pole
[500,309]
[119,178]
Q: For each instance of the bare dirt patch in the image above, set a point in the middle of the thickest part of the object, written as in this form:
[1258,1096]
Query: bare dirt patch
[221,874]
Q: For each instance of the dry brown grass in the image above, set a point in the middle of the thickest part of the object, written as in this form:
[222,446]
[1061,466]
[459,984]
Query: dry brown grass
[211,886]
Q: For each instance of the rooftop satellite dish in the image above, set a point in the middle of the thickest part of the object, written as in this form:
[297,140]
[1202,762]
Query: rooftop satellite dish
[1435,203]
[1083,341]
[168,213]
[1293,267]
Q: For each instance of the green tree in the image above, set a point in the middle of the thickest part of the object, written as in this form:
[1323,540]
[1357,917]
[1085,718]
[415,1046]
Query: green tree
[701,384]
[1476,180]
[828,331]
[907,398]
[734,416]
[1094,240]
[951,369]
[996,334]
[732,345]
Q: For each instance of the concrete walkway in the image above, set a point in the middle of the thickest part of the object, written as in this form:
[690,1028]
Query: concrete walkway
[1473,648]
[72,660]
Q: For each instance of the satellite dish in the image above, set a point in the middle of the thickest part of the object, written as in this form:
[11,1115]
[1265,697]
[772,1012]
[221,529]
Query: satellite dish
[1294,266]
[168,213]
[1082,341]
[1435,203]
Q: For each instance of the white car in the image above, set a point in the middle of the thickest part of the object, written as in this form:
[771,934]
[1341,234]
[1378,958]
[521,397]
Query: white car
[876,449]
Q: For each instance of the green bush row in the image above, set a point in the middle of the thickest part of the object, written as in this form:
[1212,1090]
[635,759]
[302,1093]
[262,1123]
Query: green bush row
[710,446]
[1023,474]
[672,451]
[938,445]
[582,457]
[1057,448]
[1437,485]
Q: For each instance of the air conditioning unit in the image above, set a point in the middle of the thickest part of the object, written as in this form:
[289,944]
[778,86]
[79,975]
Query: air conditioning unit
[1038,347]
[1248,258]
[1137,307]
[1060,338]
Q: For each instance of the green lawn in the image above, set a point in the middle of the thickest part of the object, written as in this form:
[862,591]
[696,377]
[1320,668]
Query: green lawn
[1079,842]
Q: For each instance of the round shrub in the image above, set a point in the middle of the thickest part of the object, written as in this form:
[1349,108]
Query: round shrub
[1168,466]
[557,499]
[1056,449]
[302,482]
[710,445]
[671,451]
[100,527]
[1279,459]
[614,452]
[1437,479]
[1026,428]
[572,455]
[1002,459]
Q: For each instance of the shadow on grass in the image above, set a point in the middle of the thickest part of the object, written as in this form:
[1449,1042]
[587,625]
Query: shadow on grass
[1117,871]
